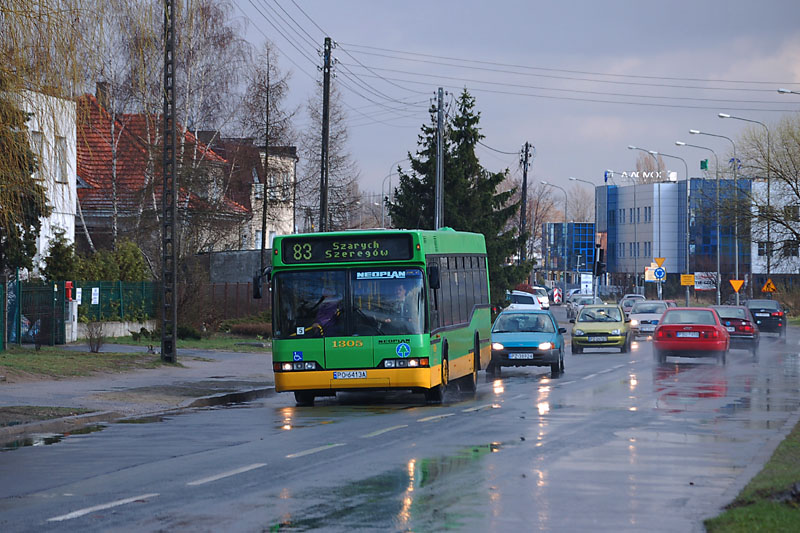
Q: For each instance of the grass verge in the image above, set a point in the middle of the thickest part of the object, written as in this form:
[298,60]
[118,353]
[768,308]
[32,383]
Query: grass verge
[53,362]
[220,341]
[770,501]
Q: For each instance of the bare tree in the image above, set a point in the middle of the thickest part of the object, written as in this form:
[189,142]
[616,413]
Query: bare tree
[342,170]
[648,168]
[581,204]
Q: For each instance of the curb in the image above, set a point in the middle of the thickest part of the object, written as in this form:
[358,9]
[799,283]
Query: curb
[72,423]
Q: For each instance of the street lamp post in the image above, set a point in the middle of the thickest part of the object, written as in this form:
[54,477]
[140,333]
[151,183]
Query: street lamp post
[769,211]
[719,274]
[735,204]
[594,232]
[565,235]
[383,197]
[686,168]
[787,91]
[630,147]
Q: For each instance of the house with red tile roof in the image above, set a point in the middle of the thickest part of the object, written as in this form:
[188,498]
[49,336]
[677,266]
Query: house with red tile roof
[120,181]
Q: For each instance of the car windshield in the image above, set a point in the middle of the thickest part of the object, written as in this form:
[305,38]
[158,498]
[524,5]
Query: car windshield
[763,304]
[523,322]
[600,314]
[585,300]
[689,316]
[648,308]
[541,292]
[628,302]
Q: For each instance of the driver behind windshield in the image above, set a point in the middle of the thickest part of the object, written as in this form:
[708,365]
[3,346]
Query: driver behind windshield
[600,314]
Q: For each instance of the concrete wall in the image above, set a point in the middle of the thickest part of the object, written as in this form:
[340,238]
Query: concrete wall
[117,329]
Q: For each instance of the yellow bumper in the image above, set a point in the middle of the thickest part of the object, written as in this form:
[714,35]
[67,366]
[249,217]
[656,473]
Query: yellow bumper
[377,378]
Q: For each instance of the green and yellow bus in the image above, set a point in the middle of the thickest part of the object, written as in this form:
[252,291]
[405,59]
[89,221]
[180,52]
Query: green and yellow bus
[379,310]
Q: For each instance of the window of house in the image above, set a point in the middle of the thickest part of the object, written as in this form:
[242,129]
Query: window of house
[790,249]
[37,145]
[61,161]
[762,248]
[638,212]
[792,212]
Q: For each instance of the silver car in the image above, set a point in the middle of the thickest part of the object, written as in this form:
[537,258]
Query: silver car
[645,315]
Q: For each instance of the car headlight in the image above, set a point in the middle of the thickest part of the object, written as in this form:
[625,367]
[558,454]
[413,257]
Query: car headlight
[497,346]
[546,346]
[578,332]
[616,332]
[634,322]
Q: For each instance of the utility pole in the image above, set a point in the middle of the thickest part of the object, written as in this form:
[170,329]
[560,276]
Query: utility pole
[169,285]
[438,215]
[323,175]
[524,214]
[266,180]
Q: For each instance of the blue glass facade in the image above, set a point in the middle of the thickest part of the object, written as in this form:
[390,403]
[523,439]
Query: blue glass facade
[580,246]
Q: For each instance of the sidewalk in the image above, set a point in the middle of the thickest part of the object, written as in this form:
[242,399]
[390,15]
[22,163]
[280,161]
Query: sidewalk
[205,378]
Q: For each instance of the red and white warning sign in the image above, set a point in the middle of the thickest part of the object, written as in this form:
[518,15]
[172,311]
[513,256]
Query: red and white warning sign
[557,296]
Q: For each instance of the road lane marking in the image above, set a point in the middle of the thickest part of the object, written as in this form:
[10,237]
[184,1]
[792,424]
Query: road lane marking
[314,450]
[382,431]
[590,376]
[102,507]
[478,408]
[565,382]
[435,417]
[518,397]
[225,474]
[606,371]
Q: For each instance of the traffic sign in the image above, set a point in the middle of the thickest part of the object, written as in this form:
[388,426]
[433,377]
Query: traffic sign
[660,273]
[737,284]
[769,286]
[687,280]
[659,260]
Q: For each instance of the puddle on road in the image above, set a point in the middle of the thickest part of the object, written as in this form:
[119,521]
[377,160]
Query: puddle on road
[142,420]
[48,439]
[438,493]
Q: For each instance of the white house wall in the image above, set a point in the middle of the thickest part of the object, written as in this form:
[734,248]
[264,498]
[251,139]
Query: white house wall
[53,122]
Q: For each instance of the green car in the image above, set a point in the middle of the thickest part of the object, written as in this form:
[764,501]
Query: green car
[601,326]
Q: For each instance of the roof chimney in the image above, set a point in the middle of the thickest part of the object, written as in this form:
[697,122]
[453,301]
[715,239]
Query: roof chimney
[101,93]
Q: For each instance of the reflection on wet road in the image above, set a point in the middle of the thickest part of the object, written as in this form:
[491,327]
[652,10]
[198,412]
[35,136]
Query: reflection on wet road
[616,443]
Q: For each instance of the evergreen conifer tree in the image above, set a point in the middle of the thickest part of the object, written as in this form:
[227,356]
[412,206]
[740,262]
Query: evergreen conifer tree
[471,199]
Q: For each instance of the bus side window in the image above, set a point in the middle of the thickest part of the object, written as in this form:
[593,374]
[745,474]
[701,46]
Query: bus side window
[463,312]
[484,281]
[444,305]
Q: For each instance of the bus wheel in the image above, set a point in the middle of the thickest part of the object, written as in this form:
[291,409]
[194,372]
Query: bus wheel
[303,398]
[436,394]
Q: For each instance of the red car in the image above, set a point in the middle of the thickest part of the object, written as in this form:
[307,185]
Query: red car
[691,332]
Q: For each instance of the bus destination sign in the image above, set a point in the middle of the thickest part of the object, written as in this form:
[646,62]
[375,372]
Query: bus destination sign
[346,248]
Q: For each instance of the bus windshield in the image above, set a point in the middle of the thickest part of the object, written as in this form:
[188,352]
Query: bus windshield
[321,303]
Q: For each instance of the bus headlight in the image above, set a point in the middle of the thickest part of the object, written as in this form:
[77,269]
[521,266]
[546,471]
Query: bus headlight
[497,346]
[286,367]
[388,363]
[413,362]
[546,346]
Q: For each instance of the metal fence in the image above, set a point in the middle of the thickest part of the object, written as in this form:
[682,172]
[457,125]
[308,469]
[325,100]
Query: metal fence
[108,301]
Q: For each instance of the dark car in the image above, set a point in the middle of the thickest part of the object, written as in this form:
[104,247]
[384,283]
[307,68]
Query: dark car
[769,315]
[741,326]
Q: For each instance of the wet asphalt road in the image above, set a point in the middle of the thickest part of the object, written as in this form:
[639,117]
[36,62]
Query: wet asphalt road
[617,443]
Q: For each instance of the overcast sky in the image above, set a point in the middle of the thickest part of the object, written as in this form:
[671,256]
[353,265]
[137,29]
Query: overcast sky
[580,80]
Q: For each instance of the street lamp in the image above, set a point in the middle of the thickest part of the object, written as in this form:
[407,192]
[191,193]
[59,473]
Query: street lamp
[594,240]
[383,198]
[769,211]
[787,91]
[735,204]
[564,295]
[719,275]
[631,147]
[686,167]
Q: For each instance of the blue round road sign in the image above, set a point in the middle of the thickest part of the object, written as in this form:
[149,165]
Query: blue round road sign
[660,273]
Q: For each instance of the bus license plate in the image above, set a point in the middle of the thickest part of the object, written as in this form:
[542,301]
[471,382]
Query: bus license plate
[520,356]
[350,374]
[598,339]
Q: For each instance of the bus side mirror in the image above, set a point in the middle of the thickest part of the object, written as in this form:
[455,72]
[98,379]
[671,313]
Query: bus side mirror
[258,281]
[433,276]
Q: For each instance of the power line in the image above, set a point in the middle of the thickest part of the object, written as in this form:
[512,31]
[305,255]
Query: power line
[608,74]
[496,150]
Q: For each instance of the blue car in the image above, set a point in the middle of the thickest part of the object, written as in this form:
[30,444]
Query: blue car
[527,337]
